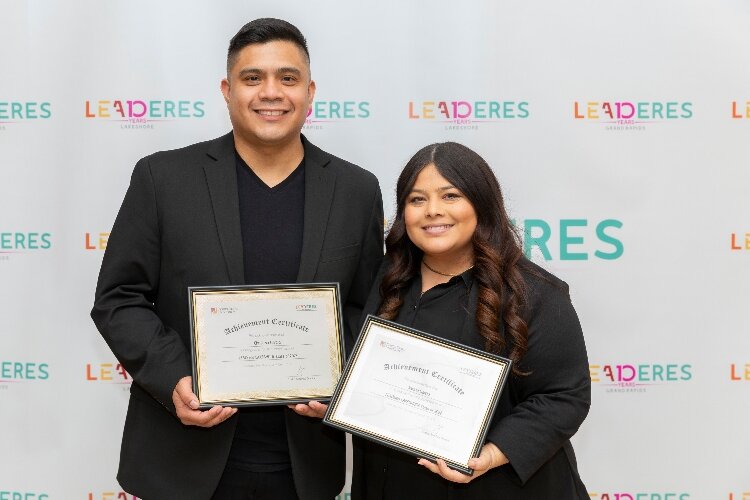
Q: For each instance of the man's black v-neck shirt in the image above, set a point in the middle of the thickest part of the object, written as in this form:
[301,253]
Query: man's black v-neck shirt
[272,221]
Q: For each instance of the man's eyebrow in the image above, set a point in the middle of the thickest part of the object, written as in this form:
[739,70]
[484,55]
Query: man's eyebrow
[278,71]
[290,69]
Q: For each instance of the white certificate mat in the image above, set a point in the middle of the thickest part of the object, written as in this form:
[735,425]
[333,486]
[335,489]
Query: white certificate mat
[265,344]
[418,393]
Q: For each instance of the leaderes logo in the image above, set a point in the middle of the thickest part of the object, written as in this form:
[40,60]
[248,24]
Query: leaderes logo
[15,112]
[113,373]
[571,239]
[306,307]
[111,495]
[327,111]
[142,113]
[462,114]
[639,496]
[638,377]
[23,242]
[13,372]
[22,495]
[631,115]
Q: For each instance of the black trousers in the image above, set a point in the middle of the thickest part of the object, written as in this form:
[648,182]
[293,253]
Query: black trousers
[238,484]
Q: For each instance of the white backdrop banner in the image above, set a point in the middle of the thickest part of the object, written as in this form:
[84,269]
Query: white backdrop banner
[619,132]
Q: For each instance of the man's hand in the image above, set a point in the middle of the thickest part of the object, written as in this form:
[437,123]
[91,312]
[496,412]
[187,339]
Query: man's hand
[186,405]
[489,457]
[314,409]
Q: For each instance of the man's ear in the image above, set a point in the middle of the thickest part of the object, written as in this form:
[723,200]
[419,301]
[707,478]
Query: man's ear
[225,89]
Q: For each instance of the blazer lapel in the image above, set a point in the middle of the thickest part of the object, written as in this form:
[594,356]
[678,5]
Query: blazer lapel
[319,186]
[221,176]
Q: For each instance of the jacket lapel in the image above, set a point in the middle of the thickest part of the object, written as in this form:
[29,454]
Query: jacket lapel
[221,178]
[319,186]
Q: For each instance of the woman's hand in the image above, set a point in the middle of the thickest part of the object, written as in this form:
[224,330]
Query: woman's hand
[489,457]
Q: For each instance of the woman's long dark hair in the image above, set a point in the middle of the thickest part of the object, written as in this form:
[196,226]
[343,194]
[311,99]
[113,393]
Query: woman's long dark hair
[497,248]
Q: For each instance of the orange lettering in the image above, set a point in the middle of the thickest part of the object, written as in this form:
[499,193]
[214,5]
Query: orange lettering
[735,246]
[411,111]
[575,110]
[734,110]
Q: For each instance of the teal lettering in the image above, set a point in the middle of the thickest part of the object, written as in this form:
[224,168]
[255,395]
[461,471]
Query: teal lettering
[31,111]
[43,373]
[169,109]
[334,109]
[46,111]
[643,110]
[657,372]
[16,110]
[479,109]
[540,242]
[17,370]
[523,109]
[566,240]
[183,108]
[154,109]
[46,243]
[686,375]
[20,243]
[364,108]
[508,109]
[5,241]
[672,110]
[348,109]
[3,110]
[494,109]
[605,238]
[319,111]
[31,241]
[643,374]
[6,369]
[671,373]
[657,110]
[198,111]
[687,112]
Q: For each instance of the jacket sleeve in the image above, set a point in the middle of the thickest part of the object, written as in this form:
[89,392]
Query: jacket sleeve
[369,262]
[554,398]
[124,311]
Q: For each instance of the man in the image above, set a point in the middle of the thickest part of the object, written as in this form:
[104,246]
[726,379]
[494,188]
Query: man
[258,205]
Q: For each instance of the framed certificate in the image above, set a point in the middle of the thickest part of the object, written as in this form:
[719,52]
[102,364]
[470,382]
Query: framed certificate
[418,393]
[264,345]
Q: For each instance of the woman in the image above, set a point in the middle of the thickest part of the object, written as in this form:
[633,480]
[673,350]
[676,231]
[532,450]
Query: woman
[454,268]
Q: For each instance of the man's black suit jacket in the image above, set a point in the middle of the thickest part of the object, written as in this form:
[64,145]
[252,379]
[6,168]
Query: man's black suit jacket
[179,226]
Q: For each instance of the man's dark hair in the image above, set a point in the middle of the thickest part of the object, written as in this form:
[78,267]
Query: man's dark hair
[264,30]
